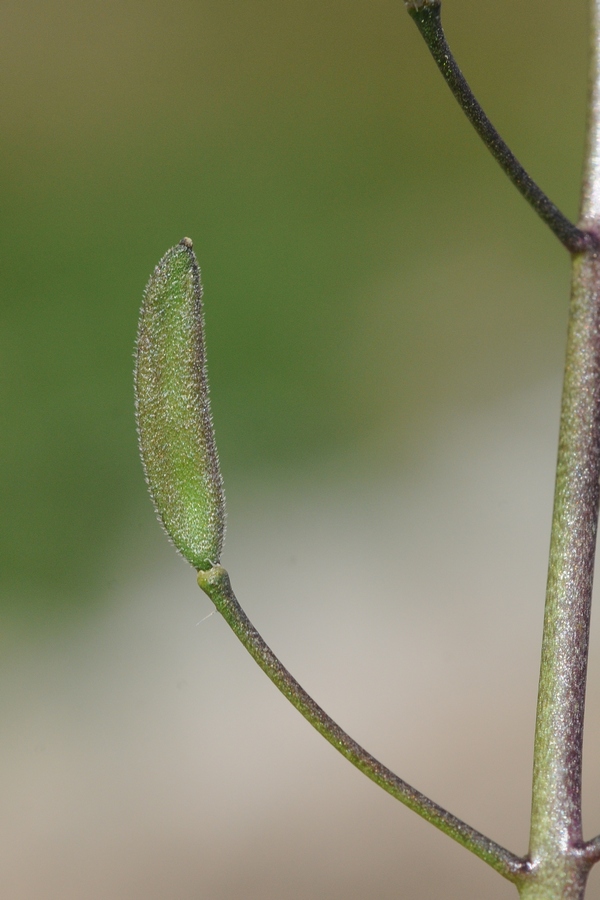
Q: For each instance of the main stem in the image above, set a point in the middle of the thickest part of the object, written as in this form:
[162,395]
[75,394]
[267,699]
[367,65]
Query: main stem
[556,837]
[558,858]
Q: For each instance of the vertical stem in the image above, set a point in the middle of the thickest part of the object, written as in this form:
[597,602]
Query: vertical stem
[590,209]
[558,866]
[556,810]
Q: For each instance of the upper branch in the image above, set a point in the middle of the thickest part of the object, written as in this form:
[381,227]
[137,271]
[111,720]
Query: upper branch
[427,15]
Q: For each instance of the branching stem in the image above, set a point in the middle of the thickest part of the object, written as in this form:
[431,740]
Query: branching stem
[427,15]
[216,584]
[559,860]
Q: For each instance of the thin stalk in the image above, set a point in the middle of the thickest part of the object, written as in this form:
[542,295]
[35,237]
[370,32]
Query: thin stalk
[560,861]
[592,850]
[216,584]
[427,16]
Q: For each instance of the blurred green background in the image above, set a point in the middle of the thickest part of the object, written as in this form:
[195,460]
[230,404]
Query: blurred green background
[386,327]
[366,268]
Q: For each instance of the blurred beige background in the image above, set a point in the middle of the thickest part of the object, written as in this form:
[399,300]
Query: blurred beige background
[386,325]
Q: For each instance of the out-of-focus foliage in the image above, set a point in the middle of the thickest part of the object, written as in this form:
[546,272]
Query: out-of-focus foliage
[366,268]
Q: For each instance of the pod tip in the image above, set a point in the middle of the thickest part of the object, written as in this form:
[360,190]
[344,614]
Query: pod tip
[187,242]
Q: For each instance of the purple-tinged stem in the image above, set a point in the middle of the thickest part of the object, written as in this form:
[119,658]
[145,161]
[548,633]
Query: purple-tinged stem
[427,16]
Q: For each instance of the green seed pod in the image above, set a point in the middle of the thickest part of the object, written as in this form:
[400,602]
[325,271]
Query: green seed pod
[177,441]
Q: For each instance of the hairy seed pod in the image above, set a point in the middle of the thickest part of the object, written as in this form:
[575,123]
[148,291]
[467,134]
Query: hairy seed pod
[176,436]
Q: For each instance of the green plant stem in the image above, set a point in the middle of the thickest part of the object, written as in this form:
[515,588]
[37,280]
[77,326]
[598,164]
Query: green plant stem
[216,584]
[556,841]
[427,16]
[559,858]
